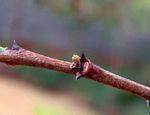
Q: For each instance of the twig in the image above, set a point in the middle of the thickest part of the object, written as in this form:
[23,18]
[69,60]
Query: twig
[86,69]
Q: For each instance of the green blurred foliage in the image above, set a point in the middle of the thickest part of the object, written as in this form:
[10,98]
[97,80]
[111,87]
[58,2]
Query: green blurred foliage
[44,110]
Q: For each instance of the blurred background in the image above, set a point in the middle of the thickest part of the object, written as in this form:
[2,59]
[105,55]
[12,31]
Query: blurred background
[114,34]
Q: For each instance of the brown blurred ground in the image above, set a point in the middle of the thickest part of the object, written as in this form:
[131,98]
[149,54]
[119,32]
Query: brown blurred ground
[20,98]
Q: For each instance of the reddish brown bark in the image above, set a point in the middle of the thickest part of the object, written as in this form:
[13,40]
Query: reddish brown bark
[87,70]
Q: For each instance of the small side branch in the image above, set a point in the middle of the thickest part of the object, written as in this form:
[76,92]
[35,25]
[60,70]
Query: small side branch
[85,68]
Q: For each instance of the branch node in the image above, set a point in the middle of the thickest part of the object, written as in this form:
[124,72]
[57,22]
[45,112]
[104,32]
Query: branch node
[80,65]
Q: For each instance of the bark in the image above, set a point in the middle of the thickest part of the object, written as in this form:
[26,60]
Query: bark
[86,69]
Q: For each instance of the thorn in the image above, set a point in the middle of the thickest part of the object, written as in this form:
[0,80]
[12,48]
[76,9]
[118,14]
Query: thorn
[83,58]
[78,75]
[15,46]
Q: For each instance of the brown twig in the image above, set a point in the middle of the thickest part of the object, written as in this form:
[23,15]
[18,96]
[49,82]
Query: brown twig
[20,56]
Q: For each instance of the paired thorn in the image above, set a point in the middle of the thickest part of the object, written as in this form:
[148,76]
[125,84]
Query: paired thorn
[80,72]
[78,75]
[15,46]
